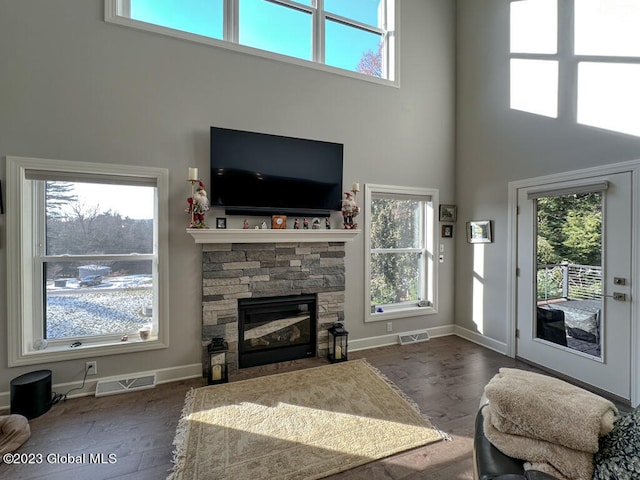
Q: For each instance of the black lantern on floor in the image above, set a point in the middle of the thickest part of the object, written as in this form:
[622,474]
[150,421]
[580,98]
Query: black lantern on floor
[338,343]
[217,350]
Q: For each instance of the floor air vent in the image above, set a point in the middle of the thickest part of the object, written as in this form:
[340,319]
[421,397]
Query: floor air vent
[112,387]
[413,337]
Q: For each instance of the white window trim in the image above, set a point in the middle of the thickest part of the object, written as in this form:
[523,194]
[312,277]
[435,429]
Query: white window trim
[19,295]
[115,12]
[431,245]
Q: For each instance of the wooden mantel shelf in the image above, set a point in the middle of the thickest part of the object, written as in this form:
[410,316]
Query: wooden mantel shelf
[211,235]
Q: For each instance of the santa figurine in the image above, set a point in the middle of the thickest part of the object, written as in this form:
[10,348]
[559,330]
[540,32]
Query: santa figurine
[198,205]
[350,210]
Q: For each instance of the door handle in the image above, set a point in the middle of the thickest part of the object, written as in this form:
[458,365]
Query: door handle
[621,297]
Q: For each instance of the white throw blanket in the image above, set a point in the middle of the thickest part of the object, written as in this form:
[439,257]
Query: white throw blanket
[546,421]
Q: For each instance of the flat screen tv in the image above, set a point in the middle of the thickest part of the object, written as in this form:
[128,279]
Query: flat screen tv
[262,174]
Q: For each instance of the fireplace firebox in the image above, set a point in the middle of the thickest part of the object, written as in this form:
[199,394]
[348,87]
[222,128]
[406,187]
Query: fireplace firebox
[276,329]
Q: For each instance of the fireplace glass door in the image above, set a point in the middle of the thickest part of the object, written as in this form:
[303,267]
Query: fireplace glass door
[276,329]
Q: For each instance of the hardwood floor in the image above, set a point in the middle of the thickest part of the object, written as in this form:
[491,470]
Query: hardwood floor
[444,376]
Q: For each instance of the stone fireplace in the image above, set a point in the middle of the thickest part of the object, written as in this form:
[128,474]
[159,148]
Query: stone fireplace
[232,272]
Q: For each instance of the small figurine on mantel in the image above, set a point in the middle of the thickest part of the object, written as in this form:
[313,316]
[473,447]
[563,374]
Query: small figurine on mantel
[350,210]
[327,223]
[263,226]
[316,224]
[305,224]
[245,224]
[198,205]
[296,224]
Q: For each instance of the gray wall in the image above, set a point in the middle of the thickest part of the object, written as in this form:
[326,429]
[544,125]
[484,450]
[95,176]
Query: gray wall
[496,145]
[76,88]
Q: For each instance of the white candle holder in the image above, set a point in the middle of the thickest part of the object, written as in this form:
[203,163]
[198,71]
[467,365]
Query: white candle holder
[191,210]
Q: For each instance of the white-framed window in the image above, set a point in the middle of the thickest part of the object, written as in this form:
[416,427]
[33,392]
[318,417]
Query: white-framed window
[607,47]
[87,269]
[578,60]
[400,267]
[534,57]
[355,37]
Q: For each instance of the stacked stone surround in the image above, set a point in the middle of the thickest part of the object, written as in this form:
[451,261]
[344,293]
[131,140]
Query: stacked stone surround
[258,270]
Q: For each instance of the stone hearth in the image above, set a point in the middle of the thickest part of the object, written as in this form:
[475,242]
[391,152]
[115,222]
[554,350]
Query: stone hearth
[231,271]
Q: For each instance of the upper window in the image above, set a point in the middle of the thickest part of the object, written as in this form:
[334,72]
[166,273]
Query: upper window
[356,35]
[84,259]
[534,57]
[607,42]
[399,229]
[587,71]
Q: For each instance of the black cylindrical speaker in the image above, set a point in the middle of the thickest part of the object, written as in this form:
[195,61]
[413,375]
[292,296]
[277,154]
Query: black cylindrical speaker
[31,394]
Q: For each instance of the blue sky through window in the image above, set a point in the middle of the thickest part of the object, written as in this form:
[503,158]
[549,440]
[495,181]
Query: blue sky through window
[276,28]
[271,26]
[203,17]
[340,40]
[364,11]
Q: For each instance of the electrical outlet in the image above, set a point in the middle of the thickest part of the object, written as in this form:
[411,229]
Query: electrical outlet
[389,326]
[91,368]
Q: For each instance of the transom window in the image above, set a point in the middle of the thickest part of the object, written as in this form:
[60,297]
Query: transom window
[84,259]
[577,59]
[355,35]
[400,244]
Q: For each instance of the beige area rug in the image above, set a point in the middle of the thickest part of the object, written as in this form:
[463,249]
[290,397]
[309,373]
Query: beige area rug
[306,424]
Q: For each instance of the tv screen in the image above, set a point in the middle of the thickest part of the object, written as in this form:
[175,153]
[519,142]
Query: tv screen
[258,173]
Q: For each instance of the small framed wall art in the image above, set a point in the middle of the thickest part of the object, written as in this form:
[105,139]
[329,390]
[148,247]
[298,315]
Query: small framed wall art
[447,231]
[448,213]
[221,222]
[479,231]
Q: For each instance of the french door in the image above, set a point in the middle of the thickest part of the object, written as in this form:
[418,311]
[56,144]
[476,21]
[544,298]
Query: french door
[573,311]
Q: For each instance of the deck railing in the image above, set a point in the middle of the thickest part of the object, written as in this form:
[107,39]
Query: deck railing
[569,281]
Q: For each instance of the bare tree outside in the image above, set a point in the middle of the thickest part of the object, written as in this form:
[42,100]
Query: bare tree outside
[371,63]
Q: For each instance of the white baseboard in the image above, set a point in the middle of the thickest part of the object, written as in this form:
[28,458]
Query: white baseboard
[480,339]
[163,375]
[373,342]
[441,331]
[183,372]
[392,338]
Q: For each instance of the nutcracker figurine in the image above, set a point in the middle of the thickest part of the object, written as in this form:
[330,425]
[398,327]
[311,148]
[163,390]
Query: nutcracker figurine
[198,205]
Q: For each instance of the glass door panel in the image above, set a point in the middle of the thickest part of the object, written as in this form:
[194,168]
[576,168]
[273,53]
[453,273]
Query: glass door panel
[569,271]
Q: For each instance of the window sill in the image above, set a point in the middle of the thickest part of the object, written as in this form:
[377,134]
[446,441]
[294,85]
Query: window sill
[401,313]
[61,353]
